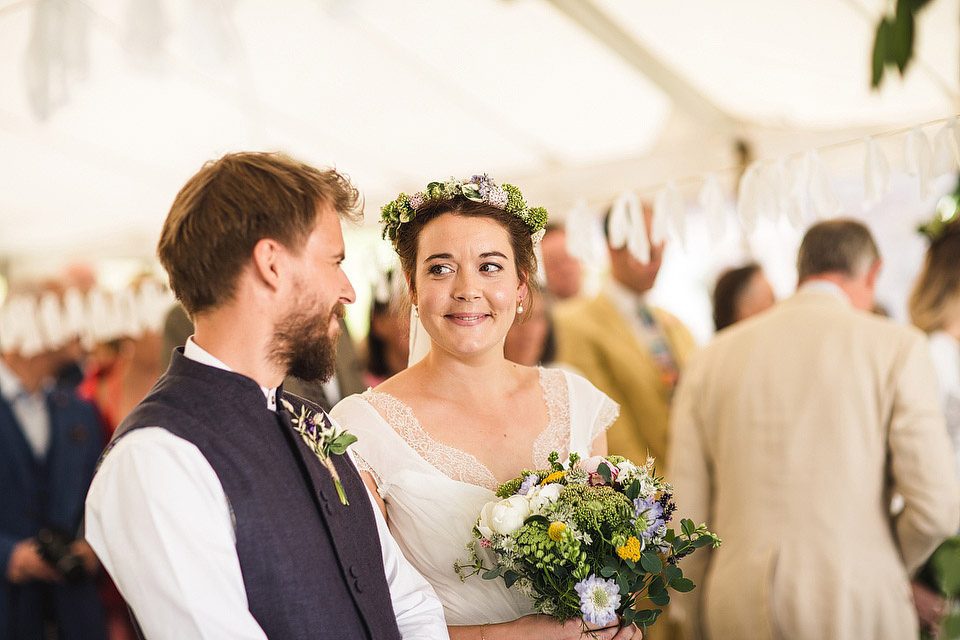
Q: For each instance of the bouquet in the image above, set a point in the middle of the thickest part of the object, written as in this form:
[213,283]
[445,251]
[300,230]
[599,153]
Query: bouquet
[587,540]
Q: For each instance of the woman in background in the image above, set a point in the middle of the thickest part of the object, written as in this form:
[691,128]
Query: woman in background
[739,294]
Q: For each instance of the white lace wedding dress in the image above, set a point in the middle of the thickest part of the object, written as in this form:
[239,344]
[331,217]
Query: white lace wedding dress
[434,492]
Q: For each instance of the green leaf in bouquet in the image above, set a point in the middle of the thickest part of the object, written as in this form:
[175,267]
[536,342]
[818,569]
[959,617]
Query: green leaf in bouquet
[608,571]
[510,577]
[670,573]
[942,570]
[645,617]
[651,562]
[656,587]
[623,584]
[688,527]
[683,585]
[492,574]
[702,541]
[605,473]
[541,519]
[633,491]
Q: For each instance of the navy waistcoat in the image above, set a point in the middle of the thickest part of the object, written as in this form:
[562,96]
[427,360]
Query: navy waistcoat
[312,567]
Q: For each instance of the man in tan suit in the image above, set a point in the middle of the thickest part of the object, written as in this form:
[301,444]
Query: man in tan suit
[630,350]
[789,434]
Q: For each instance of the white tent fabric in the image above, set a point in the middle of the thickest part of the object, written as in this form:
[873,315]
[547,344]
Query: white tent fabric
[109,105]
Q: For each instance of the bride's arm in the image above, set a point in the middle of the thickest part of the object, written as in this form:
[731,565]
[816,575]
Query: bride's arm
[536,627]
[599,447]
[374,493]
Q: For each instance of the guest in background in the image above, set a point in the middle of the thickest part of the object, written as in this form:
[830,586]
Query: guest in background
[790,432]
[120,373]
[531,340]
[739,294]
[50,440]
[630,349]
[562,271]
[388,338]
[935,308]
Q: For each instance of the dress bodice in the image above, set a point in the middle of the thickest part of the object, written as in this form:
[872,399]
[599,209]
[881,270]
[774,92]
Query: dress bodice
[434,491]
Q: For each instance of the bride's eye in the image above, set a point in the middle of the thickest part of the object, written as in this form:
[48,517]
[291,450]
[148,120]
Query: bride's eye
[491,267]
[439,270]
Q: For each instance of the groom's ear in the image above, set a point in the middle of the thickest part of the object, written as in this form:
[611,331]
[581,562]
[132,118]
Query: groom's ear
[267,261]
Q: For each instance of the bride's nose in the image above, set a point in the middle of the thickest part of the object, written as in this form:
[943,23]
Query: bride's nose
[466,286]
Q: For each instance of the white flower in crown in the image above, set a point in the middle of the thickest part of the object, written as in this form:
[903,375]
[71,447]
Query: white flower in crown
[496,197]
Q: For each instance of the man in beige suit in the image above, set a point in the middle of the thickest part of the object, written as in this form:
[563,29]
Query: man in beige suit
[789,434]
[629,349]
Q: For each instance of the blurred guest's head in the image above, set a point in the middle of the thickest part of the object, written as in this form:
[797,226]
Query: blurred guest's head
[388,340]
[935,300]
[563,272]
[530,341]
[842,251]
[740,293]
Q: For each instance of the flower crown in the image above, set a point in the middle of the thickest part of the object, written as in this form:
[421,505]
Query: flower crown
[479,188]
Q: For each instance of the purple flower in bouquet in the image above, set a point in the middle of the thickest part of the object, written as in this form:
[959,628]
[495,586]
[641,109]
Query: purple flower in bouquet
[652,512]
[528,483]
[599,600]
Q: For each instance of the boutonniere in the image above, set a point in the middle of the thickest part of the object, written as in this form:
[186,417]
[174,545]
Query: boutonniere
[324,439]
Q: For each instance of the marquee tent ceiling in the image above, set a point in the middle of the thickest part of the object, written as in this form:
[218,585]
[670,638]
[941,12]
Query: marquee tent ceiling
[108,106]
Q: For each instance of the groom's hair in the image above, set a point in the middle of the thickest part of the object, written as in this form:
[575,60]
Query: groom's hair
[231,204]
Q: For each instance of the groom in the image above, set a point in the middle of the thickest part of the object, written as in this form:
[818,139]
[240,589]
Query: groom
[210,511]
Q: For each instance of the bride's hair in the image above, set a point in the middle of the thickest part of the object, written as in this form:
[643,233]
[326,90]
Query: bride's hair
[408,234]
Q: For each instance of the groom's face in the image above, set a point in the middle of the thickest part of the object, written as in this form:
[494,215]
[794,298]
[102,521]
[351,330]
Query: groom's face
[305,336]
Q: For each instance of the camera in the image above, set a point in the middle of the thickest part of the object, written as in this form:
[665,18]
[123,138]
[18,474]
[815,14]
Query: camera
[54,547]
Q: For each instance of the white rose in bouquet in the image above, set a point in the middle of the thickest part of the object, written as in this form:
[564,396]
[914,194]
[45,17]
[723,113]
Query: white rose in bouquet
[503,517]
[544,497]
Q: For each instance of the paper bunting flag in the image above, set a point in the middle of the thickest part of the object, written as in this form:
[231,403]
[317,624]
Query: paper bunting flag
[583,235]
[797,183]
[918,159]
[628,228]
[757,196]
[668,205]
[876,175]
[825,202]
[944,151]
[714,205]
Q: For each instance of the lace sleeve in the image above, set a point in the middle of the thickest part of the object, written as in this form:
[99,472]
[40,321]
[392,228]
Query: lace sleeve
[362,466]
[607,414]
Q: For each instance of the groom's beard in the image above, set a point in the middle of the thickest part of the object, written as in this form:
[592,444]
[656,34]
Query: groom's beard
[303,344]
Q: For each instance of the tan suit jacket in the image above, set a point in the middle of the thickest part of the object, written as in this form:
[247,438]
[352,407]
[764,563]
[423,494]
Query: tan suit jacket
[789,434]
[593,336]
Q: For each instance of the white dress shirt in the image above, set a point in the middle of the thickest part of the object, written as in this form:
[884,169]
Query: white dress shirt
[30,410]
[158,519]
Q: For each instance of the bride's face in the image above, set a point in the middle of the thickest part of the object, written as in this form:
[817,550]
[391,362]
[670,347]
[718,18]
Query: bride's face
[467,285]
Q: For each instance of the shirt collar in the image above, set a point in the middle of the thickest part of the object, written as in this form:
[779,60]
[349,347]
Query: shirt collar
[198,354]
[825,286]
[10,385]
[626,300]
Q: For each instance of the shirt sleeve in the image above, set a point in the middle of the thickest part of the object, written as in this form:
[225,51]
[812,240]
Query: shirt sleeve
[158,519]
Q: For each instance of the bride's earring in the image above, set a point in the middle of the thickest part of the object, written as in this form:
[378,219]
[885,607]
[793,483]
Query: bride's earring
[520,305]
[416,311]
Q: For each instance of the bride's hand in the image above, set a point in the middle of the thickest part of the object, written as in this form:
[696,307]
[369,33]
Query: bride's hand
[546,628]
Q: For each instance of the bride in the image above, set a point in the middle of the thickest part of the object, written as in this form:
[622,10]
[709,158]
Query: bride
[436,439]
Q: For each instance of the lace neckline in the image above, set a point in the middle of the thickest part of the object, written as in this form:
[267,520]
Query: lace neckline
[463,466]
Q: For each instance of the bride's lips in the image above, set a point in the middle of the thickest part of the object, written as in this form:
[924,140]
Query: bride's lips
[467,319]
